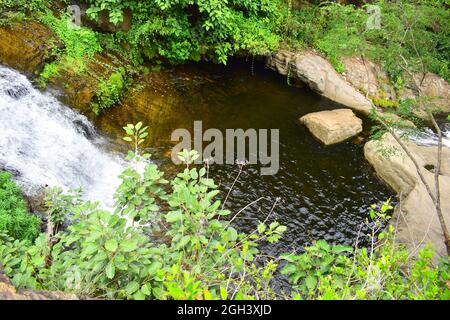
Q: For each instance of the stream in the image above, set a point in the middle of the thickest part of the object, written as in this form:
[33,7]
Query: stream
[322,192]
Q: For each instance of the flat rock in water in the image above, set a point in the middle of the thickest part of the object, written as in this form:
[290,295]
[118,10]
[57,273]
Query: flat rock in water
[334,126]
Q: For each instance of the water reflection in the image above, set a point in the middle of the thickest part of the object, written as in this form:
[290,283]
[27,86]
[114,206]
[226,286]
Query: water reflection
[324,192]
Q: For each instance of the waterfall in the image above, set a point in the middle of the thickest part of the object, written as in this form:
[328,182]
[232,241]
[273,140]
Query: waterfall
[428,137]
[45,142]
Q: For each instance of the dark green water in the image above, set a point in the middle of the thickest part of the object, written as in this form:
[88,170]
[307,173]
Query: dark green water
[324,192]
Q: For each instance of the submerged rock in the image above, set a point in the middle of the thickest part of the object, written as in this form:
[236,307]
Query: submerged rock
[333,126]
[320,76]
[415,216]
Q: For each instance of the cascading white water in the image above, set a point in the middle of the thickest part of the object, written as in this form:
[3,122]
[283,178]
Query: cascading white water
[428,137]
[47,143]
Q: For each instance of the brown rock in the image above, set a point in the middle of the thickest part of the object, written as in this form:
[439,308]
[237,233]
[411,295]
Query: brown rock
[415,216]
[432,86]
[320,76]
[334,126]
[25,46]
[368,78]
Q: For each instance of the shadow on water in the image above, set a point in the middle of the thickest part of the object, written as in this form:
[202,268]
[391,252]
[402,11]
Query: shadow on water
[324,192]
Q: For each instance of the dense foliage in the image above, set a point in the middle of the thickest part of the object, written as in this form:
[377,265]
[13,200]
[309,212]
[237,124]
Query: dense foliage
[165,32]
[190,29]
[178,31]
[156,244]
[417,30]
[79,46]
[173,240]
[14,216]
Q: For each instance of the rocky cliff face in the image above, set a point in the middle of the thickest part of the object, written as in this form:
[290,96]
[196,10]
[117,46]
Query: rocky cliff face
[368,78]
[362,81]
[432,86]
[25,46]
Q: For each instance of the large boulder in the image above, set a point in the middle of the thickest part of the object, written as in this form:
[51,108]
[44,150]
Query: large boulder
[320,76]
[415,216]
[334,126]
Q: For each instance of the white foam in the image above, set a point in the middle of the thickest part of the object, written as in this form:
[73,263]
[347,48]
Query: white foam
[429,138]
[48,143]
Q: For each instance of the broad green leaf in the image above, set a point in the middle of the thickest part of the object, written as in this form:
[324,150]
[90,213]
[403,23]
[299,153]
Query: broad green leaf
[261,228]
[288,269]
[174,216]
[139,296]
[154,267]
[128,245]
[341,248]
[132,287]
[110,270]
[232,233]
[223,293]
[111,245]
[311,282]
[146,289]
[138,125]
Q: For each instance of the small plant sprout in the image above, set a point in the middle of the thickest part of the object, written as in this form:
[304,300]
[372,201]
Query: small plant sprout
[188,156]
[136,135]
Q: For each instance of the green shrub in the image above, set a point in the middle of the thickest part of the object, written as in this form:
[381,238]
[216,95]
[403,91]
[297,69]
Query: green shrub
[177,31]
[14,11]
[385,270]
[79,46]
[109,91]
[23,6]
[418,31]
[171,240]
[385,103]
[14,216]
[164,243]
[50,71]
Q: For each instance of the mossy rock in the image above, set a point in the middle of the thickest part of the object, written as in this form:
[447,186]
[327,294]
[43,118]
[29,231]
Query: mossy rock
[80,88]
[25,46]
